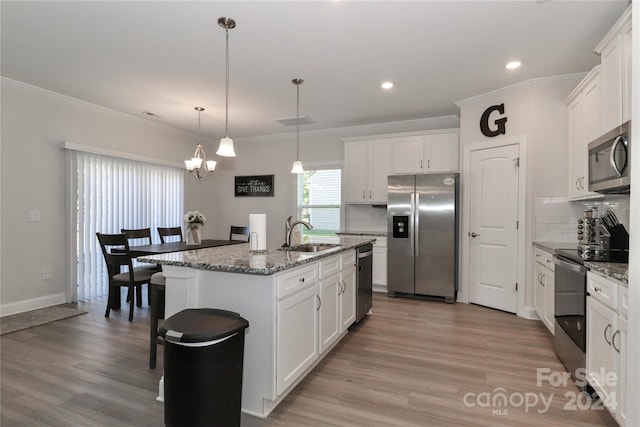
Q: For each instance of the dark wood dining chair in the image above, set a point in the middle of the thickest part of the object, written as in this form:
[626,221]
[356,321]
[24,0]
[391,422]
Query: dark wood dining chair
[239,233]
[141,236]
[169,232]
[157,287]
[132,279]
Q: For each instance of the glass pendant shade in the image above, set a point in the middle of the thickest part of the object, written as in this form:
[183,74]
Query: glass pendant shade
[297,167]
[225,149]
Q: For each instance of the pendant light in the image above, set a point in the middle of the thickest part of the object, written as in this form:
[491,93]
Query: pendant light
[225,148]
[297,165]
[198,165]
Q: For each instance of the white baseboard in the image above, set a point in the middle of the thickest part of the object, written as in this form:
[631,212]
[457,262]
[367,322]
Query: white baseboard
[529,312]
[379,288]
[32,304]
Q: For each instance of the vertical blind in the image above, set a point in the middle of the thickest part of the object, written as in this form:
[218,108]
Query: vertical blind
[118,193]
[319,198]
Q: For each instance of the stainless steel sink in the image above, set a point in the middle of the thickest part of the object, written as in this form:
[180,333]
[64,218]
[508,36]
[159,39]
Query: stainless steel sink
[311,247]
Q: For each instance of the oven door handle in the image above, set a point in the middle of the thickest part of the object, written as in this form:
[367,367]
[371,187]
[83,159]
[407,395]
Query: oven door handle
[570,265]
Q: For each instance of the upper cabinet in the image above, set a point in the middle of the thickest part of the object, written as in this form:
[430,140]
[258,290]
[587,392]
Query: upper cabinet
[425,153]
[367,165]
[615,57]
[368,162]
[585,124]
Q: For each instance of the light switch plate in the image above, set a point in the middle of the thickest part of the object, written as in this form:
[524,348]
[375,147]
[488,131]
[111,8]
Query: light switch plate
[33,216]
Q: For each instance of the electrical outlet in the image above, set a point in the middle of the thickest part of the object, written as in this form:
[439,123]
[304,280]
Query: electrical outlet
[46,274]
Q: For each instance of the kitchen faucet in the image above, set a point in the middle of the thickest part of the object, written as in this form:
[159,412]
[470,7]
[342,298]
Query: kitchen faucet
[288,228]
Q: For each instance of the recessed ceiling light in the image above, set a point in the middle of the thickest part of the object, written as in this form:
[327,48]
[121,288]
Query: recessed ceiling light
[386,85]
[513,65]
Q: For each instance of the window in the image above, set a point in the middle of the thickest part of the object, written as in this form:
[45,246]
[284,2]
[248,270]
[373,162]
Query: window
[319,197]
[114,193]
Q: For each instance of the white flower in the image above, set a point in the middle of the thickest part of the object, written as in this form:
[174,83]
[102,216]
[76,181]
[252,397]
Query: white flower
[194,218]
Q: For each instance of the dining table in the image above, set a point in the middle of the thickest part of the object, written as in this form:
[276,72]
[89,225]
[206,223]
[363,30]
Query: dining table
[163,248]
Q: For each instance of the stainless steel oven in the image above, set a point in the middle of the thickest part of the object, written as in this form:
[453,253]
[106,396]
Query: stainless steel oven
[609,161]
[570,312]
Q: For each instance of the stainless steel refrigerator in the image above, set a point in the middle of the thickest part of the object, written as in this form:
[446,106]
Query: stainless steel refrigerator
[422,245]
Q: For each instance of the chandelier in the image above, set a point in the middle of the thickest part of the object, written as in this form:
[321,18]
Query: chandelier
[198,165]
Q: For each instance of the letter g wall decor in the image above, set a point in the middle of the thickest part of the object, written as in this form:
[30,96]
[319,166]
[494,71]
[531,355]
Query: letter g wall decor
[500,123]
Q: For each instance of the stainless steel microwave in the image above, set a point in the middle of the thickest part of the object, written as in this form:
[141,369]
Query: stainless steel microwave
[610,161]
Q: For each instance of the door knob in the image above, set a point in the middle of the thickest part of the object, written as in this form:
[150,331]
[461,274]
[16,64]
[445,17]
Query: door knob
[474,235]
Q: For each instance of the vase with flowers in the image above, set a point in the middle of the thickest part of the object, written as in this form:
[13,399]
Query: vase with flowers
[194,221]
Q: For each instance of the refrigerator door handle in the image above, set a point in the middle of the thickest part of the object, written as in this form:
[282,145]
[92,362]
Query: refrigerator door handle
[416,227]
[411,219]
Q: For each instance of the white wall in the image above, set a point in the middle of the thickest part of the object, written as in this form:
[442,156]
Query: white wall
[34,123]
[535,109]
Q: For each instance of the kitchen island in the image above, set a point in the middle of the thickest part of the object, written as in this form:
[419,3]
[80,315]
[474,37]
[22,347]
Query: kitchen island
[298,304]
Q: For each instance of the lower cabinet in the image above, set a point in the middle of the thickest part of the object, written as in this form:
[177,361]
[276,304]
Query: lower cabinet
[379,277]
[311,320]
[607,343]
[296,336]
[544,294]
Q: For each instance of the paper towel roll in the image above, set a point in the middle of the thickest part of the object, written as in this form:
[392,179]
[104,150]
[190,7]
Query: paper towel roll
[258,232]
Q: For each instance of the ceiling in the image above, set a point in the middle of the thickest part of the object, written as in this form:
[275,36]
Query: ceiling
[168,57]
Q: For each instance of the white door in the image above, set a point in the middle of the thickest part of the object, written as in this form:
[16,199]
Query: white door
[493,235]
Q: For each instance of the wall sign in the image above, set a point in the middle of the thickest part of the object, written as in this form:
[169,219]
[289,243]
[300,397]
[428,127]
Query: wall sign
[254,186]
[499,123]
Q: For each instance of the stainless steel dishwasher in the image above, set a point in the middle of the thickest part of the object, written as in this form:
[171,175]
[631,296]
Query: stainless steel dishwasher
[364,296]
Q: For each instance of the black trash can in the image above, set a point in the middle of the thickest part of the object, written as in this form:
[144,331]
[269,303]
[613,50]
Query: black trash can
[203,354]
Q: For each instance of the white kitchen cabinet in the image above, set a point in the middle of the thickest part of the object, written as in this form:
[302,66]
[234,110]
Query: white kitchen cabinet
[615,57]
[544,288]
[379,274]
[296,336]
[337,292]
[425,153]
[585,124]
[367,165]
[607,343]
[329,316]
[347,298]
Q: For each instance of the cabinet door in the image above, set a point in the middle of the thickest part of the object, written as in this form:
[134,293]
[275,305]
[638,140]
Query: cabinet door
[379,274]
[330,289]
[296,336]
[549,301]
[592,114]
[577,150]
[600,353]
[619,344]
[408,155]
[379,164]
[626,74]
[538,300]
[611,61]
[348,298]
[356,172]
[441,152]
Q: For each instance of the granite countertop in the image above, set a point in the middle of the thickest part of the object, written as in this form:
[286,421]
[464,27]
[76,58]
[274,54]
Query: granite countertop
[362,233]
[614,270]
[239,259]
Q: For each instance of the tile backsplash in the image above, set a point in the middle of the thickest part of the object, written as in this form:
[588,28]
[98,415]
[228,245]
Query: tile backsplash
[365,218]
[556,218]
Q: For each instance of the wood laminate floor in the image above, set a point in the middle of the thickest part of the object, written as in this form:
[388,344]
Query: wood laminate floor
[412,363]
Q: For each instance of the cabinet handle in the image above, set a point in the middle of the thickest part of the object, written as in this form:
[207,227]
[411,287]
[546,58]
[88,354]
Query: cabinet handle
[582,183]
[369,194]
[301,280]
[344,287]
[339,288]
[578,184]
[363,195]
[613,341]
[605,333]
[428,164]
[544,279]
[320,303]
[597,289]
[421,164]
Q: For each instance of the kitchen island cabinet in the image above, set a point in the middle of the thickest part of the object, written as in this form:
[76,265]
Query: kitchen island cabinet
[282,295]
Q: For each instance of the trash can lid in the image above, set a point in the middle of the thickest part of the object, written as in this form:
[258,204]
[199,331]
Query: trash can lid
[202,324]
